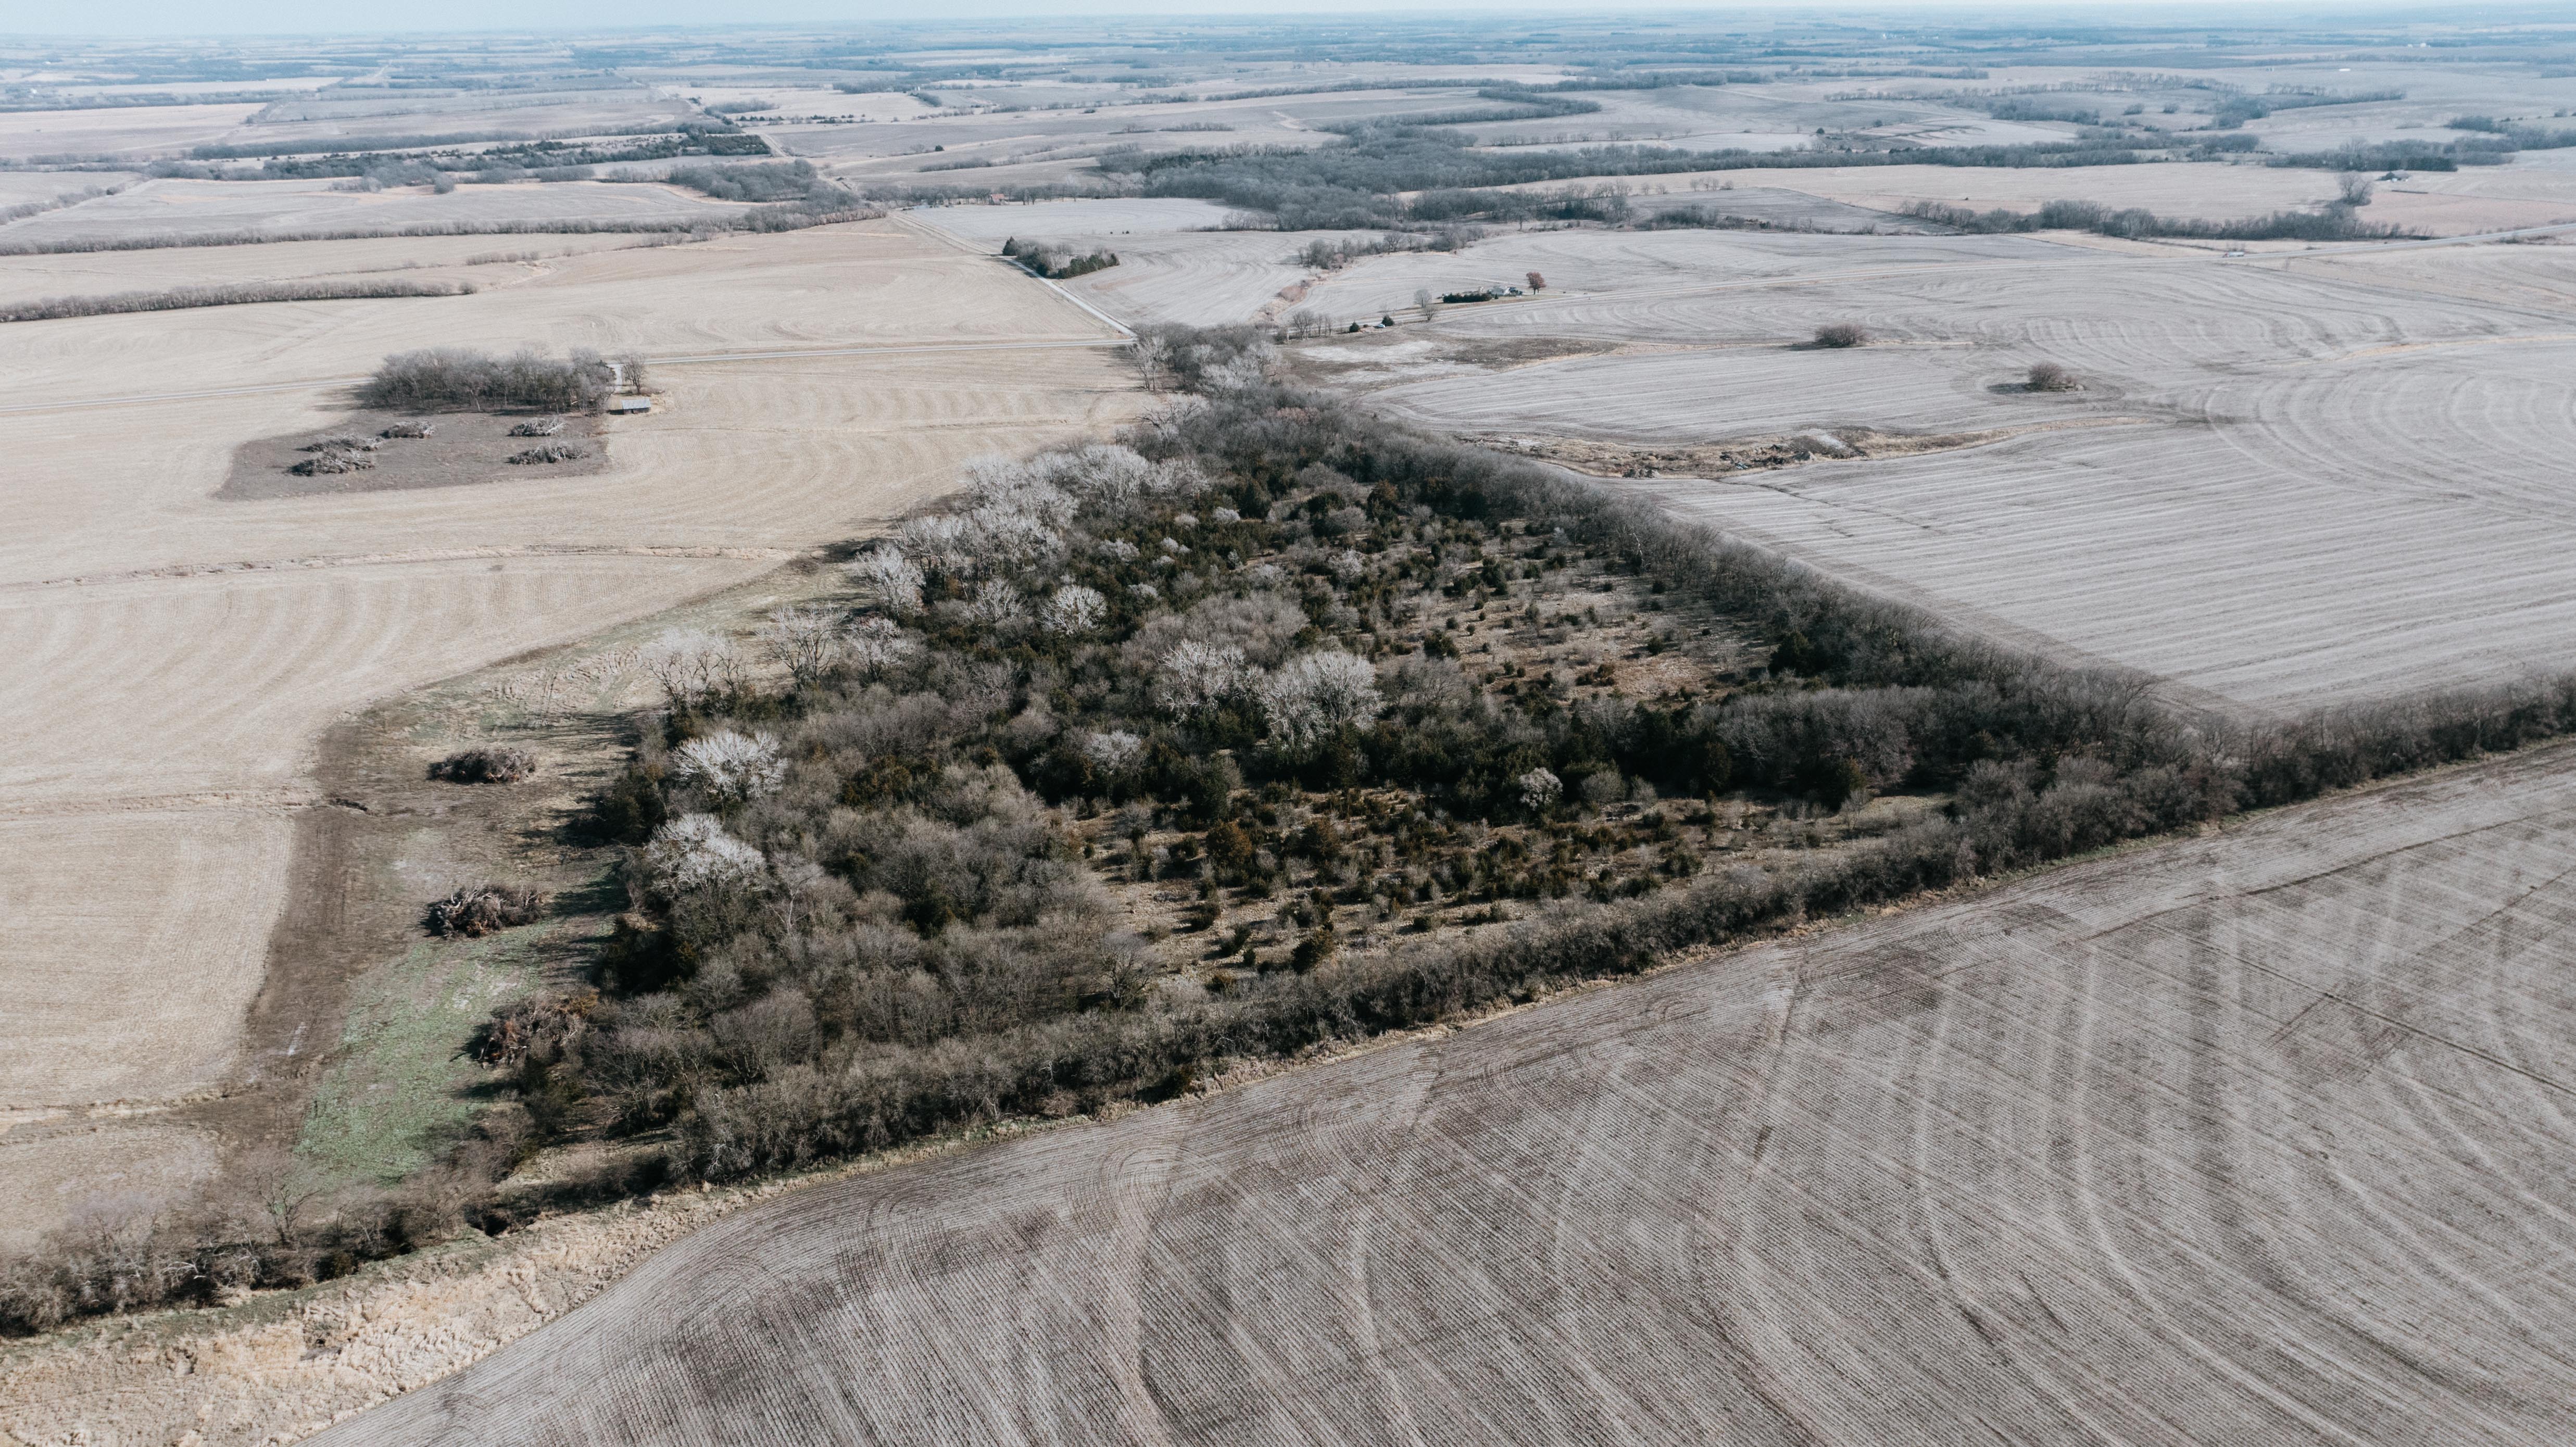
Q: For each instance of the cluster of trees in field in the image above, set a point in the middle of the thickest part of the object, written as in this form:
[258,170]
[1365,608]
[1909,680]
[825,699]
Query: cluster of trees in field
[2337,221]
[859,913]
[784,181]
[1713,218]
[510,160]
[461,377]
[1055,262]
[2489,142]
[1333,253]
[1389,174]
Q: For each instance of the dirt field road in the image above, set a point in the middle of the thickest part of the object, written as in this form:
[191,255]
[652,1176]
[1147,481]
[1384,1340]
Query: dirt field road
[2257,1138]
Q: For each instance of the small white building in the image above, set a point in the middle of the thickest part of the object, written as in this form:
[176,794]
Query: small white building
[628,406]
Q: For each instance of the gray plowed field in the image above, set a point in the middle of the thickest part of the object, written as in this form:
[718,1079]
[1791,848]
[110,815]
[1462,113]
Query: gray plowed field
[2260,1138]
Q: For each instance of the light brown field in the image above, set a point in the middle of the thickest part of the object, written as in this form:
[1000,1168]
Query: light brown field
[2255,1138]
[173,656]
[97,273]
[1052,143]
[2341,489]
[169,207]
[145,130]
[359,112]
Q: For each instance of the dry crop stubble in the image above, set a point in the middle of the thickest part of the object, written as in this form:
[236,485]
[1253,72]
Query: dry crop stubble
[2255,1138]
[1589,271]
[1173,266]
[171,207]
[1740,391]
[2355,528]
[191,649]
[2345,491]
[842,286]
[144,130]
[1214,279]
[92,273]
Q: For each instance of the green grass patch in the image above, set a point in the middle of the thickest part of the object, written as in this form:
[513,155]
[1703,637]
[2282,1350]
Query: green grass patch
[403,1088]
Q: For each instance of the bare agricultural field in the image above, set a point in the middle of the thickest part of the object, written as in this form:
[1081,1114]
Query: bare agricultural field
[1774,117]
[137,130]
[20,188]
[1174,264]
[2359,530]
[2339,493]
[483,260]
[191,648]
[905,151]
[201,208]
[1703,395]
[358,113]
[2250,1137]
[1622,284]
[1200,280]
[1089,217]
[2213,192]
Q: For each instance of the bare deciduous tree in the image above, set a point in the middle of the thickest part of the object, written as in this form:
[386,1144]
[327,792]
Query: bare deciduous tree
[1153,357]
[284,1188]
[885,572]
[804,639]
[689,666]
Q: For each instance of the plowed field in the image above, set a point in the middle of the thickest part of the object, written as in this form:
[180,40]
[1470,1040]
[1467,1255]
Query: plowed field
[2341,487]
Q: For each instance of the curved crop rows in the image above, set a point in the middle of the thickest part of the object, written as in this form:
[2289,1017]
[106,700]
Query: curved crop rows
[1734,392]
[190,208]
[171,657]
[2257,1139]
[2353,491]
[1211,279]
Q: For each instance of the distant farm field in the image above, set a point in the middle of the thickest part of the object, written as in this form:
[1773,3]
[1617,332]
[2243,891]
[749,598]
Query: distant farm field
[175,208]
[481,260]
[2331,481]
[2203,1143]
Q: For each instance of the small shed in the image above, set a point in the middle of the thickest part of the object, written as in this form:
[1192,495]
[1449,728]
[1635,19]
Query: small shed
[628,406]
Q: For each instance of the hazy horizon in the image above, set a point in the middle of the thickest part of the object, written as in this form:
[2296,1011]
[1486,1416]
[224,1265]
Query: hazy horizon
[242,18]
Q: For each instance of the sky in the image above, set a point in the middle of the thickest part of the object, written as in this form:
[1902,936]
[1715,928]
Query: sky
[292,17]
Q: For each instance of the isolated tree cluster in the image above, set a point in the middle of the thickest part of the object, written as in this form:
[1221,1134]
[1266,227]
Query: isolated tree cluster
[458,377]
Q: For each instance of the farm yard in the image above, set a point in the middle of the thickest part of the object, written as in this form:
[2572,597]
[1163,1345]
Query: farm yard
[1287,731]
[2196,1143]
